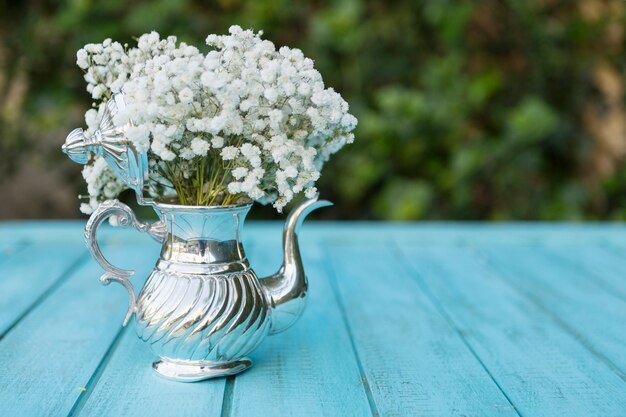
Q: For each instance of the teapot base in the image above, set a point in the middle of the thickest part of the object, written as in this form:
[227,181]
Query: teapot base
[193,371]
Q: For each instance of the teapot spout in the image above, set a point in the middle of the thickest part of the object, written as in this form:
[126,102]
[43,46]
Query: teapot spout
[287,288]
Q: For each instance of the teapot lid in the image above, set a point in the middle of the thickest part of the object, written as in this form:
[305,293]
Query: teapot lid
[111,142]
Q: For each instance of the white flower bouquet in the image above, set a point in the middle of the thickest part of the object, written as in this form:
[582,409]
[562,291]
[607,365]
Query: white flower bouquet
[242,122]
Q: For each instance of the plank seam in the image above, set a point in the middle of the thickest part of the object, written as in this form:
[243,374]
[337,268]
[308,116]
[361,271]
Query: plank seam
[95,377]
[613,248]
[332,276]
[616,247]
[443,312]
[20,245]
[607,287]
[54,286]
[227,399]
[556,319]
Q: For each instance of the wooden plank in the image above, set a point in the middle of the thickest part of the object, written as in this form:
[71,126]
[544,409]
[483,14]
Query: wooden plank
[31,274]
[58,346]
[310,369]
[127,386]
[8,249]
[62,231]
[606,263]
[426,233]
[40,231]
[541,367]
[408,341]
[592,311]
[415,361]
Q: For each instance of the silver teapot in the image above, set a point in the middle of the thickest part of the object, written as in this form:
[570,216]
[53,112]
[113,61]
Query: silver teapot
[202,309]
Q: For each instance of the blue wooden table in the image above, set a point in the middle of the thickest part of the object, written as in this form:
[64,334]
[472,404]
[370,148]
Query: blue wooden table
[403,320]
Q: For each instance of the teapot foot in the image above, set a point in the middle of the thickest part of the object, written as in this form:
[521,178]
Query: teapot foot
[193,371]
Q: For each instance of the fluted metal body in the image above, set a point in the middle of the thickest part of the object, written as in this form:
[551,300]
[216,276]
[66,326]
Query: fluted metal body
[212,317]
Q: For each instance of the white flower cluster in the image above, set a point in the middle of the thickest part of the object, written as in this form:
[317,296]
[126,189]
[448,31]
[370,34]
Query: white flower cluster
[101,184]
[264,114]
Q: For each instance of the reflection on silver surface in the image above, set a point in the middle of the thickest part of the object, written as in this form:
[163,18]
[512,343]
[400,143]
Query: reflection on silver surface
[287,288]
[203,309]
[110,142]
[125,218]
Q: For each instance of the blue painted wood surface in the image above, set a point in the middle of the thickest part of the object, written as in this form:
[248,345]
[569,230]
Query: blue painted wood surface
[437,319]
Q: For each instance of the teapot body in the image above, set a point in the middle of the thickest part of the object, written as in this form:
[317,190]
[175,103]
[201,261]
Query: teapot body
[201,323]
[203,309]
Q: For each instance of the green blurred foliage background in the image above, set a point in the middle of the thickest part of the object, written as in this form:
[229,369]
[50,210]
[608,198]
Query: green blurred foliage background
[485,110]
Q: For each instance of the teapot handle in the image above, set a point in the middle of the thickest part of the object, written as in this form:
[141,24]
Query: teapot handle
[125,218]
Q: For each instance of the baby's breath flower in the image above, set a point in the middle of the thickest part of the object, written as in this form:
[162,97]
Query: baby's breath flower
[200,147]
[257,120]
[239,173]
[101,184]
[217,142]
[229,153]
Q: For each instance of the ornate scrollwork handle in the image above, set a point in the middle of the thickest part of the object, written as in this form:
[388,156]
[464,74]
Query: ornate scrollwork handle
[125,218]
